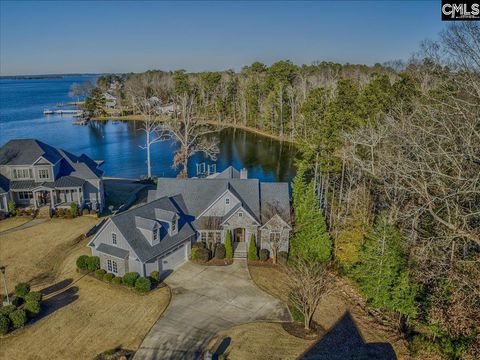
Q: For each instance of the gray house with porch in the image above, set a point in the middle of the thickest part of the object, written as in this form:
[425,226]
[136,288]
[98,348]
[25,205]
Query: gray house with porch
[35,174]
[158,236]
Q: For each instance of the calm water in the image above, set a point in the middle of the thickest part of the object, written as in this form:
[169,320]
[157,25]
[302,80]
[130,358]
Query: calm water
[21,116]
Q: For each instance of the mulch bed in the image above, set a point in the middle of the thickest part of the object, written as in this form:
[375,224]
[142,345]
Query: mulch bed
[298,330]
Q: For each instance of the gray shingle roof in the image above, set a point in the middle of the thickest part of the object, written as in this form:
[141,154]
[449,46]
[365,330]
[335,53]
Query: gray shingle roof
[22,185]
[113,251]
[125,222]
[258,198]
[26,152]
[4,184]
[144,223]
[69,181]
[164,215]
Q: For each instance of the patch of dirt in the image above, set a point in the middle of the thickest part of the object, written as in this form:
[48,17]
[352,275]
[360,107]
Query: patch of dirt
[298,330]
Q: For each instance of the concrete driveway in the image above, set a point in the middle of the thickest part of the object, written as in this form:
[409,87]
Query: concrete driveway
[206,300]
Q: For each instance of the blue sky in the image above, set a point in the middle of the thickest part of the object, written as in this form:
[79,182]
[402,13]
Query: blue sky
[121,36]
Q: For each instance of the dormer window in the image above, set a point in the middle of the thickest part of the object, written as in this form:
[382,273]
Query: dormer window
[227,201]
[114,239]
[155,235]
[174,226]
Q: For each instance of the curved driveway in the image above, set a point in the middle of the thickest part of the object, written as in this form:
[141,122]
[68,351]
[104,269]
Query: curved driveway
[206,300]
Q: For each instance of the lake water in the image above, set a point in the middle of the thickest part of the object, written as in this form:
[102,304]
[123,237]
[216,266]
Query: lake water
[118,143]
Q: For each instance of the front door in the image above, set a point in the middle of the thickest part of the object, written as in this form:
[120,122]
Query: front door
[239,235]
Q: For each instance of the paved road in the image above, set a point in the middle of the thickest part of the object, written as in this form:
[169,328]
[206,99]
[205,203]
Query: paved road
[206,300]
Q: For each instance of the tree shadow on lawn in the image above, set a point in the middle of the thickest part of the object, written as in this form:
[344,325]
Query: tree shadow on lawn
[57,301]
[56,287]
[344,342]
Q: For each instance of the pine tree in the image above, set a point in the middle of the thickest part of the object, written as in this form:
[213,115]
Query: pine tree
[228,246]
[311,240]
[252,249]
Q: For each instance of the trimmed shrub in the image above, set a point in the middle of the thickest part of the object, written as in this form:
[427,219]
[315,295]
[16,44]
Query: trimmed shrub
[12,207]
[198,245]
[82,262]
[200,254]
[143,284]
[93,263]
[264,254]
[282,258]
[252,249]
[130,278]
[4,324]
[155,275]
[220,251]
[7,309]
[32,308]
[34,296]
[117,280]
[100,273]
[108,277]
[228,246]
[18,318]
[74,210]
[22,289]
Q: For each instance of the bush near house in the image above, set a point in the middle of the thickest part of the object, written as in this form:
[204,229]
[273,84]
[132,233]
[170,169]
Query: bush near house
[252,249]
[32,308]
[264,254]
[200,254]
[282,258]
[74,210]
[130,278]
[18,318]
[143,284]
[93,263]
[12,207]
[100,273]
[34,296]
[220,251]
[199,245]
[4,324]
[82,262]
[228,246]
[108,277]
[22,289]
[118,280]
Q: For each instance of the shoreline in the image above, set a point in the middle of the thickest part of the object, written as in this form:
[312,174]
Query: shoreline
[210,122]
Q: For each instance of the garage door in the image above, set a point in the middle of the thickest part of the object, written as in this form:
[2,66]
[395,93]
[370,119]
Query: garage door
[172,260]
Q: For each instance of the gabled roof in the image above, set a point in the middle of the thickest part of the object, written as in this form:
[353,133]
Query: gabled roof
[144,223]
[229,173]
[26,152]
[113,251]
[165,215]
[126,224]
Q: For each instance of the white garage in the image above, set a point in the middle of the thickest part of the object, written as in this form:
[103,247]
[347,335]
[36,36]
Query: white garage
[173,259]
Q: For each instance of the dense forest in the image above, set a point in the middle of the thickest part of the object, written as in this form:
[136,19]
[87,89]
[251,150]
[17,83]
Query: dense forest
[392,153]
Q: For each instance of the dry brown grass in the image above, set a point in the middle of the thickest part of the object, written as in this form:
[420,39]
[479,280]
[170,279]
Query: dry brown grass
[33,254]
[330,310]
[12,222]
[84,316]
[260,341]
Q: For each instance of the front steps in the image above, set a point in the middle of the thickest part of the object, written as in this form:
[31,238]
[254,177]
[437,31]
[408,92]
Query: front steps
[240,250]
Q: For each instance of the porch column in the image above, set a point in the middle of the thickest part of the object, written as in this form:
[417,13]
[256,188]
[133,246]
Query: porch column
[52,200]
[34,198]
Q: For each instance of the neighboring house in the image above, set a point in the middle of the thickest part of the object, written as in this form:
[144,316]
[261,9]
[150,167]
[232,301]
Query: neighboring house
[141,240]
[4,197]
[35,174]
[110,100]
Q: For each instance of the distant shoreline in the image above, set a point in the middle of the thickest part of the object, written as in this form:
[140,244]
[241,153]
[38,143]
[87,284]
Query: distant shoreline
[210,122]
[42,77]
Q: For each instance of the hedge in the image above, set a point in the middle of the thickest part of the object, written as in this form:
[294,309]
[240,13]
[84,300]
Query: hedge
[108,277]
[32,308]
[130,278]
[200,254]
[198,245]
[7,309]
[4,324]
[34,296]
[117,280]
[93,263]
[282,258]
[82,262]
[143,284]
[220,251]
[18,318]
[264,254]
[22,289]
[99,274]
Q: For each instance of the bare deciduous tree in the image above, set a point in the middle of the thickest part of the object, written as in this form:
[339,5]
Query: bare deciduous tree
[308,284]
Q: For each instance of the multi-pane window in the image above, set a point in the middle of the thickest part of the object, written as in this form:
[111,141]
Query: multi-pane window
[155,234]
[274,236]
[174,224]
[25,195]
[43,174]
[240,214]
[203,236]
[227,201]
[112,266]
[22,173]
[114,239]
